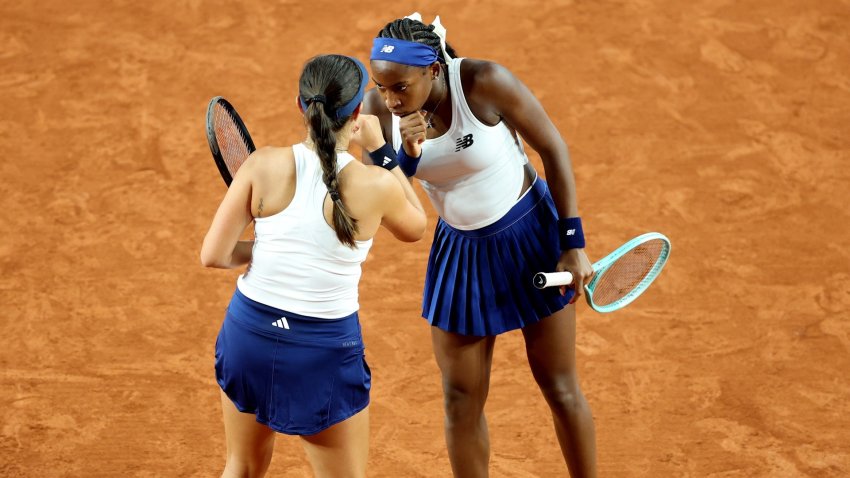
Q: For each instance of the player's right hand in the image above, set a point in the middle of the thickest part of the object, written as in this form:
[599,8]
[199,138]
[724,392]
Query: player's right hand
[366,132]
[413,129]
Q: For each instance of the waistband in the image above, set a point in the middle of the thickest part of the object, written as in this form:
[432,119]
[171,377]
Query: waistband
[525,204]
[286,325]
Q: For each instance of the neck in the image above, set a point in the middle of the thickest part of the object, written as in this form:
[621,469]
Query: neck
[439,92]
[342,141]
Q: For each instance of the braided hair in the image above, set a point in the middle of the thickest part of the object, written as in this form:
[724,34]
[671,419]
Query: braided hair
[416,31]
[327,83]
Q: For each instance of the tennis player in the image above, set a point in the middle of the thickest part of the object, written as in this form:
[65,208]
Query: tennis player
[290,355]
[457,124]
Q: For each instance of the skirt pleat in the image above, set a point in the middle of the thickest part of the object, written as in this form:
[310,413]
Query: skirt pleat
[479,282]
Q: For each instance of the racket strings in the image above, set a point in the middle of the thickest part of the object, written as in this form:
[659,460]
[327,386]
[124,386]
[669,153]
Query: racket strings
[231,142]
[628,273]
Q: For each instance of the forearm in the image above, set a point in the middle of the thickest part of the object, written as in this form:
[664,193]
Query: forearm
[561,180]
[385,156]
[241,255]
[409,193]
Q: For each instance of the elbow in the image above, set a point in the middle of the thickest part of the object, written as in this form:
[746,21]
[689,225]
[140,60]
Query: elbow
[416,232]
[558,149]
[210,260]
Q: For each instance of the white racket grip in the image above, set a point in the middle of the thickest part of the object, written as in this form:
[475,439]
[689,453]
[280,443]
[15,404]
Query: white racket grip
[552,279]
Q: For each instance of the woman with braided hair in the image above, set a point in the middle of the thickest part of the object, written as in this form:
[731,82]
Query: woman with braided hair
[290,355]
[456,124]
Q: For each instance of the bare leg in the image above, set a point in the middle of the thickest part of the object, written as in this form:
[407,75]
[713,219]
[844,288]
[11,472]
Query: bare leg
[465,366]
[249,444]
[550,345]
[342,450]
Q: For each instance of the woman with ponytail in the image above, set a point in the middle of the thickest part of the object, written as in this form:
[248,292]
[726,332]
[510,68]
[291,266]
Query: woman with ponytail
[458,125]
[290,354]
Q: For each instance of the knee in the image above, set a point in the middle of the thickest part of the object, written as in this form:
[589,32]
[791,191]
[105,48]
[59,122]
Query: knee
[463,405]
[564,394]
[246,467]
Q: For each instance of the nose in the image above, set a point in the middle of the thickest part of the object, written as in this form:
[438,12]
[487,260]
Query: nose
[392,101]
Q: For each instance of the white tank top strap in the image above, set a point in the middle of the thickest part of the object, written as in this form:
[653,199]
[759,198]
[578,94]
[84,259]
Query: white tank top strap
[310,187]
[473,173]
[396,133]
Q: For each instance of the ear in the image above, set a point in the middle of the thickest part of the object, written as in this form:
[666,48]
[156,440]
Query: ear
[435,70]
[298,104]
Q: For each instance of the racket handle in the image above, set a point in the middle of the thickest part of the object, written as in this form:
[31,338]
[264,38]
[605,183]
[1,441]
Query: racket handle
[552,279]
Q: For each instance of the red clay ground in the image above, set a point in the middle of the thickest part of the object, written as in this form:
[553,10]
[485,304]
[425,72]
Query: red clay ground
[722,124]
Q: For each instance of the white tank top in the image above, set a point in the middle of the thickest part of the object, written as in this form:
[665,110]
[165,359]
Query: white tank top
[473,173]
[298,263]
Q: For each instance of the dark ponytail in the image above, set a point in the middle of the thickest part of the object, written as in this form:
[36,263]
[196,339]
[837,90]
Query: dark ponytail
[413,30]
[327,83]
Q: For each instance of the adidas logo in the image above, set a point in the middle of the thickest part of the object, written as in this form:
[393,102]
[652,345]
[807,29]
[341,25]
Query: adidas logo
[282,323]
[463,143]
[387,160]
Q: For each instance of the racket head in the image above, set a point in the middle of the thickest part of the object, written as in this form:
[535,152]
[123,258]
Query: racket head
[230,143]
[627,272]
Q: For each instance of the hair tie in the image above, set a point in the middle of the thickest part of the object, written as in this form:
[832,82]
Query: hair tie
[334,195]
[347,109]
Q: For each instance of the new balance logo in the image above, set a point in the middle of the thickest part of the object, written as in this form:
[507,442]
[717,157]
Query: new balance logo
[387,160]
[463,143]
[571,232]
[282,323]
[387,49]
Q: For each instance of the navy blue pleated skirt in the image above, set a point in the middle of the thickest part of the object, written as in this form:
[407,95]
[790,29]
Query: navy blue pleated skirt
[299,375]
[479,282]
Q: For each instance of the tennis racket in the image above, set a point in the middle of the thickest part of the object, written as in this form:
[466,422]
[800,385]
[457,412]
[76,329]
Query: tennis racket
[228,137]
[620,277]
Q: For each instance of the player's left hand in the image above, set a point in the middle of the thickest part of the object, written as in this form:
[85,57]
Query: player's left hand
[575,262]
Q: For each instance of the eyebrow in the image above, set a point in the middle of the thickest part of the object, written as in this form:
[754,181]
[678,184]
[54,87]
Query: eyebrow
[400,83]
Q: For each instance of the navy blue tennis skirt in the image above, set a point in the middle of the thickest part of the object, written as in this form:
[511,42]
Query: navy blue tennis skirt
[299,375]
[479,282]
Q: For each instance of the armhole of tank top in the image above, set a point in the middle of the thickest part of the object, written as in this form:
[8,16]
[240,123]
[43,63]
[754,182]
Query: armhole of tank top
[462,105]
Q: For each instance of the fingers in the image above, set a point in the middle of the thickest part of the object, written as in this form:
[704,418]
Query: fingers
[576,290]
[413,127]
[366,132]
[580,279]
[578,287]
[413,132]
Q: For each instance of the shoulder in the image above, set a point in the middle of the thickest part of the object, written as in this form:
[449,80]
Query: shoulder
[269,162]
[373,104]
[485,76]
[490,89]
[369,188]
[370,180]
[373,182]
[271,156]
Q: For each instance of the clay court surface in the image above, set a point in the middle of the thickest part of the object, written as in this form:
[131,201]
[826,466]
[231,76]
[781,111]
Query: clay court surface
[723,124]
